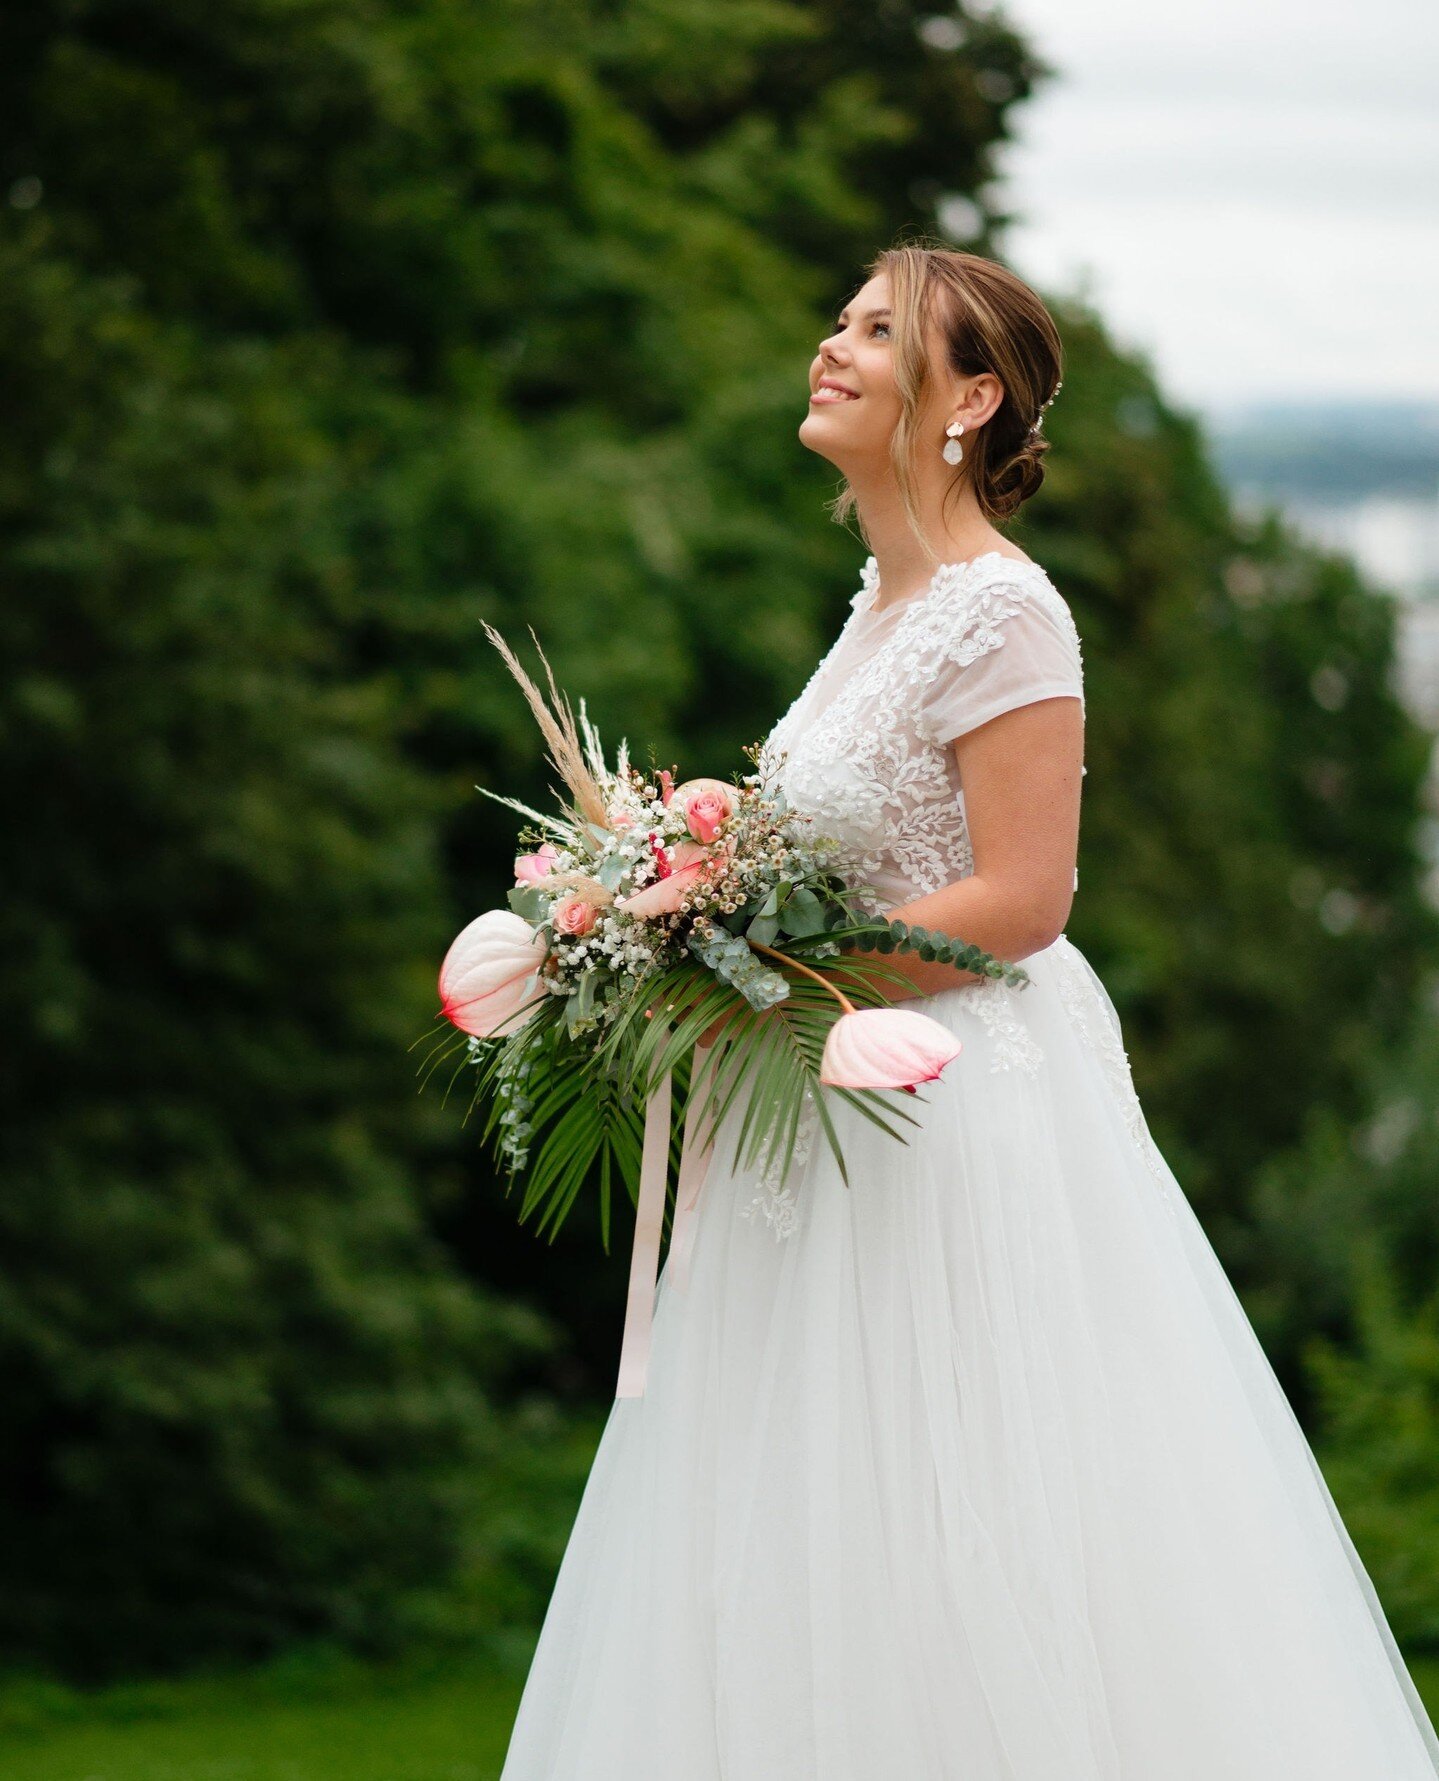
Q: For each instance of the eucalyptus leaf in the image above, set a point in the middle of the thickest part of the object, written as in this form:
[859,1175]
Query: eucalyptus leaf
[803,913]
[529,901]
[610,871]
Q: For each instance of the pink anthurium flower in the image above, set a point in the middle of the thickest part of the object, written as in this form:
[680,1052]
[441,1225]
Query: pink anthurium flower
[667,784]
[530,868]
[687,863]
[886,1048]
[490,972]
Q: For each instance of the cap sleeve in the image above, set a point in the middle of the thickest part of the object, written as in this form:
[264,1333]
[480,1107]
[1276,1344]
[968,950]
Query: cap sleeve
[997,648]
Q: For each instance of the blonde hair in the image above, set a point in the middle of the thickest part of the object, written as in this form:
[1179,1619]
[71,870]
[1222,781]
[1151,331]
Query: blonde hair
[989,320]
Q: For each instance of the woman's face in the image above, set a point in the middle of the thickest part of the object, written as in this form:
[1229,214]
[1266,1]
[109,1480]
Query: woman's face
[853,403]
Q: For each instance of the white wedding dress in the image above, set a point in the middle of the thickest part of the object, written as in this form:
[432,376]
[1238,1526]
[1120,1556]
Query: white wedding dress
[973,1470]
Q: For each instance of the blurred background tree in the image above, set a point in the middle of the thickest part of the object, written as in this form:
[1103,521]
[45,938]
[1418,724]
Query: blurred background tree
[332,332]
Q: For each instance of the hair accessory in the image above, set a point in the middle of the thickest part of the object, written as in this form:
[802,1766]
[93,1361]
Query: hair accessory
[953,452]
[1038,426]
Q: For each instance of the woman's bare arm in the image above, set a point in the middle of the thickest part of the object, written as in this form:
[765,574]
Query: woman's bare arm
[1022,774]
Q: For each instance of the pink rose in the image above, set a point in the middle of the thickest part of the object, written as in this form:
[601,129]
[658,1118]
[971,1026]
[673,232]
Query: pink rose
[708,804]
[573,915]
[530,868]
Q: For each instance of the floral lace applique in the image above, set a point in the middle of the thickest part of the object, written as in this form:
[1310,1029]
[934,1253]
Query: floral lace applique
[1014,1046]
[780,1211]
[775,1203]
[1089,1009]
[861,765]
[855,754]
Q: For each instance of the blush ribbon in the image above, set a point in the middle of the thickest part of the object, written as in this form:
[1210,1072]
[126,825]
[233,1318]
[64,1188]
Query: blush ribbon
[697,1145]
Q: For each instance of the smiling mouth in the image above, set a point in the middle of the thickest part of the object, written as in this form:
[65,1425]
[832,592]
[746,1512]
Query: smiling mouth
[828,394]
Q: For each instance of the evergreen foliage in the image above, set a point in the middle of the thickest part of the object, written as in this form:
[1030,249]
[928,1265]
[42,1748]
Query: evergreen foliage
[328,332]
[1380,1452]
[243,1389]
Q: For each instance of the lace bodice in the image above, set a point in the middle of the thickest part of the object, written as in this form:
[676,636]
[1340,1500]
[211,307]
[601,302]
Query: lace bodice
[865,748]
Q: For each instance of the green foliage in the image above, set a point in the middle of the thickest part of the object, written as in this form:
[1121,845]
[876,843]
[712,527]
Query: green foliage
[328,332]
[1379,1445]
[243,1390]
[1317,1209]
[584,1099]
[943,949]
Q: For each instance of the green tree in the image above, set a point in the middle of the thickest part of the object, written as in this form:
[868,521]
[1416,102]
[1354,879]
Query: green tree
[1379,1445]
[335,330]
[243,1390]
[1321,1208]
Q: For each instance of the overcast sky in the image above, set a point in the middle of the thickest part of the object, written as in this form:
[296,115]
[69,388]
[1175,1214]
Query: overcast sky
[1248,189]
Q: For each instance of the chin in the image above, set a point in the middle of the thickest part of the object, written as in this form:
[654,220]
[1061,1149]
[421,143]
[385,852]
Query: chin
[816,446]
[813,433]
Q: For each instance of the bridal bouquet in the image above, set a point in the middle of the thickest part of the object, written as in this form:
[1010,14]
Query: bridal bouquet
[660,931]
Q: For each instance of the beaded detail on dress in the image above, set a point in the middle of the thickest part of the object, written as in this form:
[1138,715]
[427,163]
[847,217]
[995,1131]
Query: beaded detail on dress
[1092,1016]
[864,752]
[865,763]
[776,1204]
[1013,1046]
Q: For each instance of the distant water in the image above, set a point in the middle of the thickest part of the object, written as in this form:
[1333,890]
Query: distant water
[1369,489]
[1394,539]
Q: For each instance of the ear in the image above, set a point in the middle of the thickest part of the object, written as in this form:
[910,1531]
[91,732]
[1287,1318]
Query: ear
[984,398]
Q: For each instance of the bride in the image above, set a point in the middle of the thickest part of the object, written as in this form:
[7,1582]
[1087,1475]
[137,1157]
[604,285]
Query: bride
[973,1469]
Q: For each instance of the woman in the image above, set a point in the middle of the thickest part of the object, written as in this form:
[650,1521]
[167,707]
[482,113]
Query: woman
[973,1469]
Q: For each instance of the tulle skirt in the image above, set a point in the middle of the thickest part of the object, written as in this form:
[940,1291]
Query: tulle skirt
[971,1470]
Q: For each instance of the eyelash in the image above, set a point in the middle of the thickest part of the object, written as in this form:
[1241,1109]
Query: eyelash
[839,326]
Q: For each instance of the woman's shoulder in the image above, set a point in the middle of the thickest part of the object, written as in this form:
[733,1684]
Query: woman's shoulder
[999,568]
[993,584]
[993,600]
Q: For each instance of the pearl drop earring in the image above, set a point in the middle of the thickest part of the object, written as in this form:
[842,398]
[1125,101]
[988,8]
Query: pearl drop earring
[953,451]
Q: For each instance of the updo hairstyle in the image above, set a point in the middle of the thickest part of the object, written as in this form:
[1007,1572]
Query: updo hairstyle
[989,320]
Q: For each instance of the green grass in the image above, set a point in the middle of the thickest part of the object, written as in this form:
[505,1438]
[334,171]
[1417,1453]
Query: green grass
[445,1721]
[332,1721]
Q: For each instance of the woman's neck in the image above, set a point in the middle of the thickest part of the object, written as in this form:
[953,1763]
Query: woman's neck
[905,569]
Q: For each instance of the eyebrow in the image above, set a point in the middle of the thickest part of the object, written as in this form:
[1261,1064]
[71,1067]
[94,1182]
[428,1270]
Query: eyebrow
[869,314]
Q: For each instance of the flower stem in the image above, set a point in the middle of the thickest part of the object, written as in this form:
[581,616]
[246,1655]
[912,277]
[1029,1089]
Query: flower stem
[785,959]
